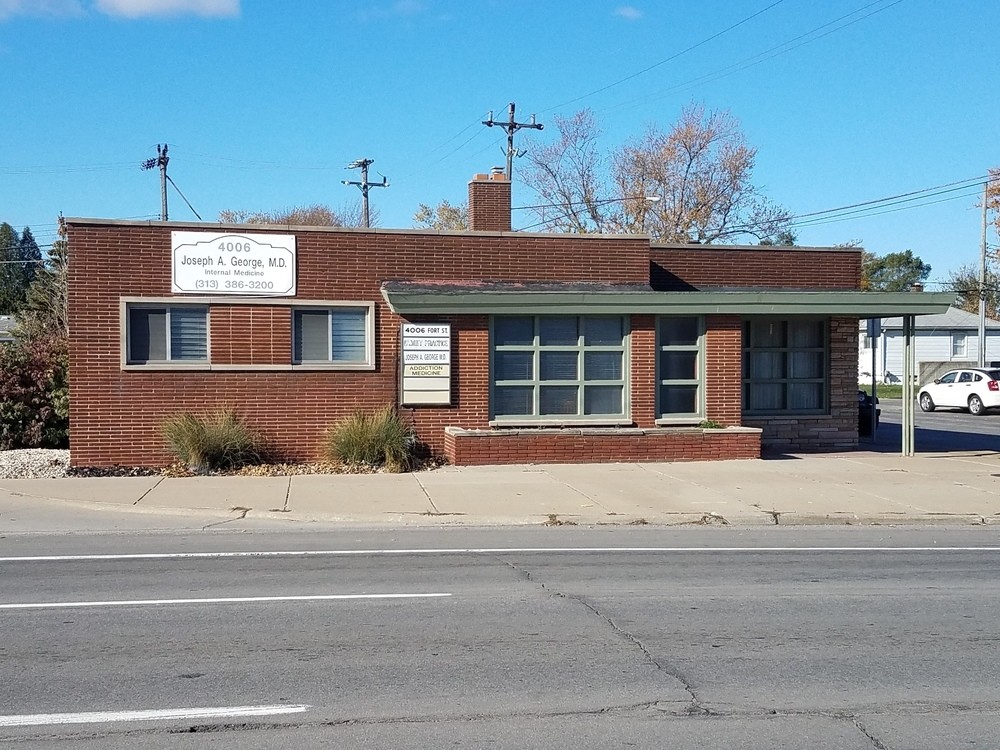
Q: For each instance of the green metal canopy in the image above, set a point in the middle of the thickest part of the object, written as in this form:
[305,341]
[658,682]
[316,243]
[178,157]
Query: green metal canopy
[475,298]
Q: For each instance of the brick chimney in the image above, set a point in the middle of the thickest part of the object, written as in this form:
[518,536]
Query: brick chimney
[489,202]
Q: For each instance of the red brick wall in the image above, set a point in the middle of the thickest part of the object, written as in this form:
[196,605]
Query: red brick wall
[489,203]
[467,448]
[116,414]
[686,267]
[724,369]
[643,382]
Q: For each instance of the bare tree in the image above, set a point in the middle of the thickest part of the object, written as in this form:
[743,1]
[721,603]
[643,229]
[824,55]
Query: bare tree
[692,183]
[316,215]
[443,216]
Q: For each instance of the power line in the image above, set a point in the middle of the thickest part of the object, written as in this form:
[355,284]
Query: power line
[171,180]
[760,57]
[669,59]
[831,215]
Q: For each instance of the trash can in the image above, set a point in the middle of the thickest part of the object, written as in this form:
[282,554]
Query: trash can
[865,407]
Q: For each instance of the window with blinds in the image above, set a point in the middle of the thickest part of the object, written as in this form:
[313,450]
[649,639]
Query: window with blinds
[166,334]
[336,335]
[558,367]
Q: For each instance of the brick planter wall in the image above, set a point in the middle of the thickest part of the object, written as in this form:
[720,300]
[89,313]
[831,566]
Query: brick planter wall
[569,446]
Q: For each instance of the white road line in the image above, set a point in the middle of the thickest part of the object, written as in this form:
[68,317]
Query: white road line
[221,600]
[98,717]
[469,551]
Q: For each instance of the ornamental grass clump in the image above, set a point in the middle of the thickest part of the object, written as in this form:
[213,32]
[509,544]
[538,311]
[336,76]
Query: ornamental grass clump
[379,439]
[218,441]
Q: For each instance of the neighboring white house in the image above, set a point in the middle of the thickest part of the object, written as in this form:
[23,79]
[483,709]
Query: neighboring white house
[950,337]
[6,324]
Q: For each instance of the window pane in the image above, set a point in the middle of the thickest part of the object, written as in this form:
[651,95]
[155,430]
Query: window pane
[147,335]
[767,365]
[312,336]
[513,400]
[558,365]
[557,399]
[188,339]
[806,365]
[767,333]
[678,365]
[602,332]
[554,331]
[513,331]
[602,366]
[679,399]
[805,396]
[513,366]
[805,334]
[678,331]
[766,397]
[349,333]
[602,399]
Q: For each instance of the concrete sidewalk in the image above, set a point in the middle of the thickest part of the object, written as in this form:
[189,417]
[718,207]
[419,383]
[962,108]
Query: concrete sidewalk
[847,488]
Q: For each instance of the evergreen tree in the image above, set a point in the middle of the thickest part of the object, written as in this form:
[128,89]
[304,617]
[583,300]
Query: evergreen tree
[45,310]
[11,289]
[31,257]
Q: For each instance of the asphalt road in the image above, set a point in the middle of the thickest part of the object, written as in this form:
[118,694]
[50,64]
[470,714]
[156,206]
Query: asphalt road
[940,431]
[554,638]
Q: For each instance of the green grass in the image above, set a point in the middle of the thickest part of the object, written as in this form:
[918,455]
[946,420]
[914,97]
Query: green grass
[883,391]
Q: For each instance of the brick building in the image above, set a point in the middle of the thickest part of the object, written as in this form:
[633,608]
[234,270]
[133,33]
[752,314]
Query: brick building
[498,346]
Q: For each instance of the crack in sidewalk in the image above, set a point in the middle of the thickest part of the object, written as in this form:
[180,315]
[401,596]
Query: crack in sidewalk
[237,509]
[143,495]
[435,511]
[695,706]
[876,742]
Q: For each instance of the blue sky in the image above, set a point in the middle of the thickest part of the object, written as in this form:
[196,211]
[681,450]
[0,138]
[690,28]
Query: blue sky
[263,103]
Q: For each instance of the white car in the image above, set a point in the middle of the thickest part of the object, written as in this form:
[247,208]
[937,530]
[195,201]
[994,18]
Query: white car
[972,388]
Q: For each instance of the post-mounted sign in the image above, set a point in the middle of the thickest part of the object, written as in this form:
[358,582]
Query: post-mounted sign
[253,265]
[425,364]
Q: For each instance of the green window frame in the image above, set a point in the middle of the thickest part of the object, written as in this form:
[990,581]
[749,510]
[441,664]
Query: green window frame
[162,334]
[680,371]
[559,368]
[333,336]
[785,366]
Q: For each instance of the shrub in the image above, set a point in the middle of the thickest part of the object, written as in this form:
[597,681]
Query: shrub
[380,439]
[218,441]
[34,394]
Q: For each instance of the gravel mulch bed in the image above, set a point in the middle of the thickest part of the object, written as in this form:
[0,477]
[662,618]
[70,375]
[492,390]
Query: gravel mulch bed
[38,463]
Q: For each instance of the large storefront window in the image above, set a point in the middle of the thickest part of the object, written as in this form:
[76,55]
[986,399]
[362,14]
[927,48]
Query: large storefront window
[785,366]
[679,369]
[558,367]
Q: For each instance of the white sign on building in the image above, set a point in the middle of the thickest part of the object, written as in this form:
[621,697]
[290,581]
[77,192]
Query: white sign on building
[426,364]
[252,265]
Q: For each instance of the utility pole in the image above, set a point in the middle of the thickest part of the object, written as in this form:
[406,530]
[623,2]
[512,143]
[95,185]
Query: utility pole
[161,162]
[364,185]
[982,281]
[512,127]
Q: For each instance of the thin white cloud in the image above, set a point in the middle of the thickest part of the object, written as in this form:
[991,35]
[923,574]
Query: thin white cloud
[49,8]
[146,8]
[397,9]
[628,12]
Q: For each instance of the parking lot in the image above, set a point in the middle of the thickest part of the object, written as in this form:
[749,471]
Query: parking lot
[936,432]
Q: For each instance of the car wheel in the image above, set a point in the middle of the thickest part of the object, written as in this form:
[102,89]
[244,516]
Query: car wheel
[976,407]
[926,402]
